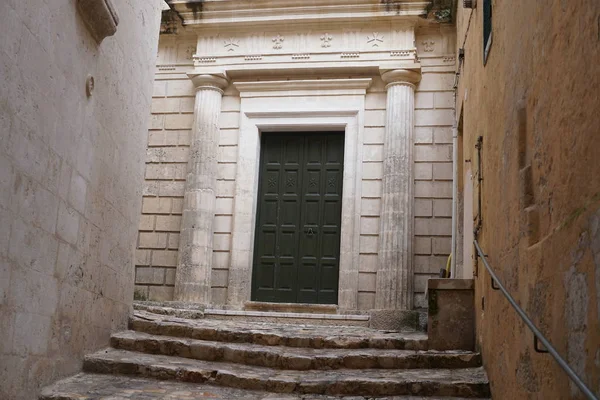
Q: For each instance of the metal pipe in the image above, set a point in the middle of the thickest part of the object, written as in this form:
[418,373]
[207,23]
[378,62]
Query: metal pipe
[454,197]
[561,362]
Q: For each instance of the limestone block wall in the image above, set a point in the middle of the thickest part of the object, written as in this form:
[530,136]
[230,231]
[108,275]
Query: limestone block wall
[71,172]
[167,158]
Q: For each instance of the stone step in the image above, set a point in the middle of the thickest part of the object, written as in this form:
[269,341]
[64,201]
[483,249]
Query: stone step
[99,386]
[270,334]
[291,307]
[466,382]
[328,319]
[292,357]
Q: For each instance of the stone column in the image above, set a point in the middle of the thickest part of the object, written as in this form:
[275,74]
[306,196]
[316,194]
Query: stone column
[194,265]
[395,272]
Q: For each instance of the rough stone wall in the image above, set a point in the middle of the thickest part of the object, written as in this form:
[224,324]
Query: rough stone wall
[71,171]
[167,157]
[535,103]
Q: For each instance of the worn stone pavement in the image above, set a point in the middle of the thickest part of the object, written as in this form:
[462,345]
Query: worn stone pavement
[116,387]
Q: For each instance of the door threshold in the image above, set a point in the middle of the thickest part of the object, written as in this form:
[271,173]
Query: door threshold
[291,307]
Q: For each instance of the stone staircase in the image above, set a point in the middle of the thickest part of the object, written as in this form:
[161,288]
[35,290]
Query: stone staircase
[166,357]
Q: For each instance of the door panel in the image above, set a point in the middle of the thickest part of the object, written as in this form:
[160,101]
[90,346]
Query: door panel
[298,218]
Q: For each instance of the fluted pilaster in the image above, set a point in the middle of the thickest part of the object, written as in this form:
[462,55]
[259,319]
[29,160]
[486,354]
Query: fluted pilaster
[395,272]
[194,266]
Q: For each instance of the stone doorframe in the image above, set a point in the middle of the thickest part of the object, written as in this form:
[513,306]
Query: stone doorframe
[319,114]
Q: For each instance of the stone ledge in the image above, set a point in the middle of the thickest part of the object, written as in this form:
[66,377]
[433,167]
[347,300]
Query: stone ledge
[274,314]
[450,284]
[100,16]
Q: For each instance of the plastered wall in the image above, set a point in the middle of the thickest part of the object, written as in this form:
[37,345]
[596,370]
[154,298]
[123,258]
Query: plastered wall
[172,117]
[71,174]
[535,103]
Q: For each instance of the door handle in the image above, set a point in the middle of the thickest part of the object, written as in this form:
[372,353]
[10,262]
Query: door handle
[311,231]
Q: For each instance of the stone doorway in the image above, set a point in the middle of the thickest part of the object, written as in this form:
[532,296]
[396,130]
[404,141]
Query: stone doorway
[297,240]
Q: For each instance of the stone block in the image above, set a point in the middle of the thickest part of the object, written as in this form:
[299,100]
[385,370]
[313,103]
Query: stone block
[433,189]
[228,154]
[225,188]
[441,245]
[171,189]
[177,205]
[230,103]
[433,153]
[373,152]
[168,223]
[167,155]
[369,244]
[164,258]
[170,276]
[229,120]
[423,171]
[370,207]
[157,122]
[423,100]
[228,137]
[376,101]
[159,88]
[186,105]
[152,240]
[442,208]
[451,314]
[32,334]
[166,171]
[179,88]
[374,135]
[369,225]
[422,245]
[156,205]
[78,192]
[434,117]
[433,81]
[150,276]
[218,296]
[173,241]
[423,208]
[142,257]
[433,227]
[222,241]
[221,259]
[219,278]
[423,135]
[442,134]
[367,282]
[442,171]
[165,105]
[399,320]
[179,121]
[222,224]
[366,300]
[443,100]
[372,170]
[147,223]
[375,118]
[226,171]
[429,264]
[371,188]
[160,293]
[368,263]
[224,205]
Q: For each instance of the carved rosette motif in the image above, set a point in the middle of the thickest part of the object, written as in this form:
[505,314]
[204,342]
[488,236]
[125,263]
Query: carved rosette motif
[326,40]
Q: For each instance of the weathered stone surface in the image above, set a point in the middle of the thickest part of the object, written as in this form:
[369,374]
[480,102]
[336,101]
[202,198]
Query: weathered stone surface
[96,386]
[278,334]
[292,358]
[466,382]
[176,312]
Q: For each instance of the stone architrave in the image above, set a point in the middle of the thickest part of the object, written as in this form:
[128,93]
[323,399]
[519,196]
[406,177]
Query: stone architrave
[395,272]
[192,280]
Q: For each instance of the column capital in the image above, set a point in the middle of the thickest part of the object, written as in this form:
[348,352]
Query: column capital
[401,77]
[216,82]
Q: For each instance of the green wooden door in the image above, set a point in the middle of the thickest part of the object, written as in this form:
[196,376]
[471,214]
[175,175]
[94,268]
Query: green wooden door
[297,240]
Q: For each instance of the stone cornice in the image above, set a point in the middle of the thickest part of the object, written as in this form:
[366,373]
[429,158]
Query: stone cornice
[308,84]
[206,13]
